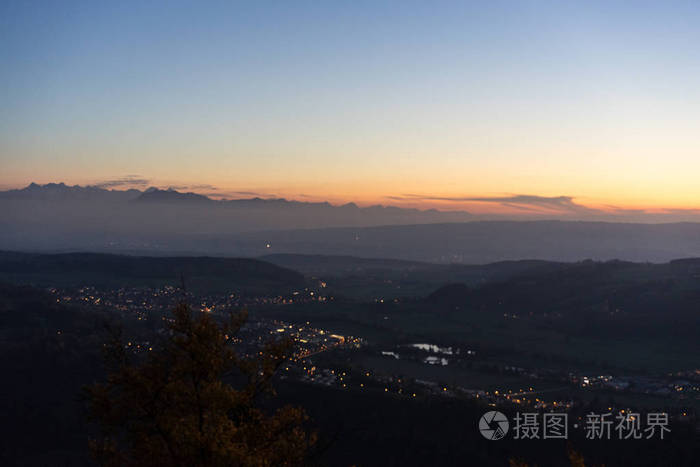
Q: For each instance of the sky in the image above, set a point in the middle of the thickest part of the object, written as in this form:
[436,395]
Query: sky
[483,106]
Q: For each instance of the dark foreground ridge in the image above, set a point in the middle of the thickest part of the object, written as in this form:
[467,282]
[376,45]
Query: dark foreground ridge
[201,273]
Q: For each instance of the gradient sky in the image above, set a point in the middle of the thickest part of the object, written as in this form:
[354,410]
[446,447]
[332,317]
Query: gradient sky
[433,104]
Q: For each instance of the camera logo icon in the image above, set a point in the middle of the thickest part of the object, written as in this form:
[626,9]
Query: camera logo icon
[493,425]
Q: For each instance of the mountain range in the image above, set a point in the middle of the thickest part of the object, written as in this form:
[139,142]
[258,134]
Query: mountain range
[63,192]
[57,217]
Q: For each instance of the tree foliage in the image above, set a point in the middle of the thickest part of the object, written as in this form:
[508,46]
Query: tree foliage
[575,459]
[175,408]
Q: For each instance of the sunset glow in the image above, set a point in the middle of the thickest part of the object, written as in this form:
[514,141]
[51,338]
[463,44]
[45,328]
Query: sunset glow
[588,102]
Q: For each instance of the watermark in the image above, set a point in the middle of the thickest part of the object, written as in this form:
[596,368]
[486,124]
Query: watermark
[495,425]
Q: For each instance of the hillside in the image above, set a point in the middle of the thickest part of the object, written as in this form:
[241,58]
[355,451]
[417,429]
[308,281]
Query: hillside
[370,278]
[204,274]
[613,297]
[482,242]
[343,265]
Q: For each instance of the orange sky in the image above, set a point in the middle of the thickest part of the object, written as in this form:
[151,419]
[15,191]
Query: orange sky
[588,105]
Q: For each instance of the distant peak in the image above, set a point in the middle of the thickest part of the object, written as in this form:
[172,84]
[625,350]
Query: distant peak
[170,195]
[37,186]
[61,191]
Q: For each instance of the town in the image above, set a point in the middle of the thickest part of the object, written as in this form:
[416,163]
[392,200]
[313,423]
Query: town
[328,358]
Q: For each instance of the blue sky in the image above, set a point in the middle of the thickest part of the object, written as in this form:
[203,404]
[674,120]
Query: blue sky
[357,100]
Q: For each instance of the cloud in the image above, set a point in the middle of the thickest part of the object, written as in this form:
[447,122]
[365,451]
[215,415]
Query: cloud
[531,206]
[203,186]
[681,210]
[137,180]
[558,203]
[246,193]
[127,180]
[236,194]
[521,202]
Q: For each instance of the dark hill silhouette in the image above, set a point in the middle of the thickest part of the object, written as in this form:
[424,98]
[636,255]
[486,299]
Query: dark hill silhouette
[451,294]
[588,291]
[483,242]
[203,273]
[342,265]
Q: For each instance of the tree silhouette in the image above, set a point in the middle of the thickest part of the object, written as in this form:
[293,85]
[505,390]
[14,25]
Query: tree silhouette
[175,408]
[575,459]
